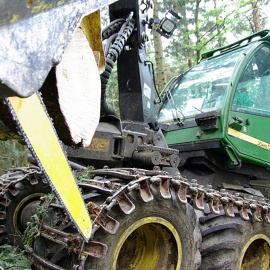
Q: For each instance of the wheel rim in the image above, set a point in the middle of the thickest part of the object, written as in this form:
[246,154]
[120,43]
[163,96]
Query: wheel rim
[256,253]
[24,210]
[150,243]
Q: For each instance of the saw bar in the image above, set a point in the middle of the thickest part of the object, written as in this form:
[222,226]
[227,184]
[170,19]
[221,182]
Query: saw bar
[40,136]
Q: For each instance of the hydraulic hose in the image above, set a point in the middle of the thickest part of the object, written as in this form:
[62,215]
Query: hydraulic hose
[114,47]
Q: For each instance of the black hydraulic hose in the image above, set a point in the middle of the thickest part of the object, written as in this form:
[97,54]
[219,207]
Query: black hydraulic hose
[118,42]
[112,28]
[108,43]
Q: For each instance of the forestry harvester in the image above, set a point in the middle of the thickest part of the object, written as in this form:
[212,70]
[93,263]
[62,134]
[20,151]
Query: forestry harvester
[179,181]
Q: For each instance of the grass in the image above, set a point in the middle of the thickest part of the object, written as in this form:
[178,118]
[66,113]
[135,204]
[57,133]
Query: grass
[12,258]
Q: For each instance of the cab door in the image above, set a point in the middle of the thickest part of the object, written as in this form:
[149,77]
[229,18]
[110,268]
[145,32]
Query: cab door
[249,115]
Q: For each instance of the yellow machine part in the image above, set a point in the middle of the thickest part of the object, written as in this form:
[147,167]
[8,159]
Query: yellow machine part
[146,245]
[43,141]
[256,253]
[92,29]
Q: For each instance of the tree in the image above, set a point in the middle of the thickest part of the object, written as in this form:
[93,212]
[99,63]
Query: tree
[256,16]
[208,24]
[159,57]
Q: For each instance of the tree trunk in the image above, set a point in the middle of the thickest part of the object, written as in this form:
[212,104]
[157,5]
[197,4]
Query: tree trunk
[256,16]
[197,30]
[159,58]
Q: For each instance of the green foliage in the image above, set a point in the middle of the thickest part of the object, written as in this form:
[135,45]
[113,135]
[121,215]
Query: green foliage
[112,93]
[12,258]
[84,175]
[33,227]
[207,24]
[12,154]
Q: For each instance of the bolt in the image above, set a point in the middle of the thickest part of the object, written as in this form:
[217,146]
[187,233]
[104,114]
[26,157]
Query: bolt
[194,182]
[198,135]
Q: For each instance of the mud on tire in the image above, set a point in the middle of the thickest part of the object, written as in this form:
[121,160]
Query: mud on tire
[232,243]
[160,234]
[157,235]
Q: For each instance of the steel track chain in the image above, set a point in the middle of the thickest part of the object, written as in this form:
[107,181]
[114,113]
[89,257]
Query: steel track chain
[198,196]
[8,184]
[118,183]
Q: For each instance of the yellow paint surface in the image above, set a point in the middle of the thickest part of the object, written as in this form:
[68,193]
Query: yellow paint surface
[40,133]
[99,144]
[147,253]
[261,259]
[91,26]
[249,139]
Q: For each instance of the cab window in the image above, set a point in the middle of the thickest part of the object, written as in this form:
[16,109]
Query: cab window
[253,90]
[203,88]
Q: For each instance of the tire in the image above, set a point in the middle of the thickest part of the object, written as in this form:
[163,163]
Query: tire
[234,244]
[18,202]
[158,235]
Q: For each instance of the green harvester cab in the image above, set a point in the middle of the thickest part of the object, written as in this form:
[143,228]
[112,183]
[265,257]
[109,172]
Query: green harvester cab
[217,115]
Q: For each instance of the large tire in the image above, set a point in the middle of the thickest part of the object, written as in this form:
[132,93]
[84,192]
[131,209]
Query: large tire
[19,202]
[158,235]
[234,244]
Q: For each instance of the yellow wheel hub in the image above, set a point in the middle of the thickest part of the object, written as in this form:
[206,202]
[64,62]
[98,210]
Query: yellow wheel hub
[24,210]
[150,243]
[256,253]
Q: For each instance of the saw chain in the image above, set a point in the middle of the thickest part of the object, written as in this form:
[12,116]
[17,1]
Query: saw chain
[35,126]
